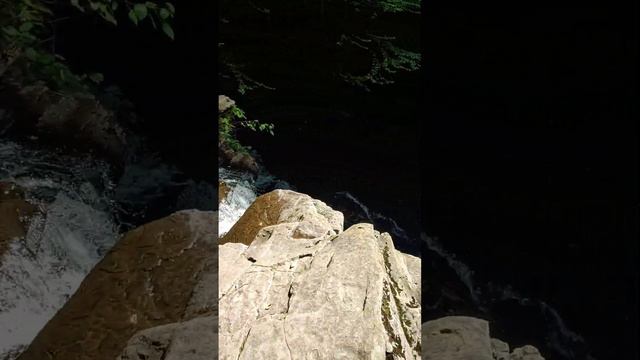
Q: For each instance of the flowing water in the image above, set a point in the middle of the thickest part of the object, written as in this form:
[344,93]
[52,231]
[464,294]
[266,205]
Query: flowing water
[72,231]
[83,207]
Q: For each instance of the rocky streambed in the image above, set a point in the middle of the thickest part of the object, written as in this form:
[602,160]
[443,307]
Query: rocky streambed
[292,283]
[99,265]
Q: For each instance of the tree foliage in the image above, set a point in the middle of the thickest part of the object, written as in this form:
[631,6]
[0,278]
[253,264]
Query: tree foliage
[355,29]
[27,34]
[231,119]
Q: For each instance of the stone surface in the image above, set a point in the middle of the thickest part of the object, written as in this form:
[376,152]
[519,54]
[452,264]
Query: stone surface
[500,349]
[457,338]
[293,285]
[194,339]
[223,191]
[236,159]
[312,217]
[526,352]
[77,120]
[15,213]
[160,273]
[468,338]
[224,103]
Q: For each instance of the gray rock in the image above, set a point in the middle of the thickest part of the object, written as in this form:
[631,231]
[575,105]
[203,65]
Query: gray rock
[225,103]
[78,120]
[457,338]
[301,288]
[468,338]
[500,349]
[526,352]
[189,340]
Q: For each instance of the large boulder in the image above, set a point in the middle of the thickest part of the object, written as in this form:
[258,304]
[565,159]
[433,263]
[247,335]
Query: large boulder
[457,338]
[241,160]
[157,274]
[313,217]
[526,352]
[78,120]
[468,338]
[194,339]
[293,285]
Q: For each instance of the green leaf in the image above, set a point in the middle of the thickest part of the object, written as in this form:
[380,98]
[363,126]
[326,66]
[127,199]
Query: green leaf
[164,13]
[167,30]
[26,27]
[30,53]
[38,7]
[133,17]
[170,7]
[151,5]
[109,17]
[96,77]
[140,11]
[10,30]
[76,3]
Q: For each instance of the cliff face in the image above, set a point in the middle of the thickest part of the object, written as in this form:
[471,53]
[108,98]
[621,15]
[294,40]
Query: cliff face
[294,285]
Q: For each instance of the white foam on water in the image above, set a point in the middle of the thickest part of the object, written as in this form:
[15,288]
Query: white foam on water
[242,193]
[465,274]
[64,241]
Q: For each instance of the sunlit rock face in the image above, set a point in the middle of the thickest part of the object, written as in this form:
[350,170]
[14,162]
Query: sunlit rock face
[294,285]
[468,338]
[158,274]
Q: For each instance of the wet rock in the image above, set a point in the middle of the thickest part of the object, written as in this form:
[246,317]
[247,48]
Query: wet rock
[293,285]
[77,120]
[160,273]
[237,159]
[15,214]
[223,191]
[313,217]
[83,120]
[244,161]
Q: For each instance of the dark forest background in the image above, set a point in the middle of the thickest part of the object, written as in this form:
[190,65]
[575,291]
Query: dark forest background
[530,169]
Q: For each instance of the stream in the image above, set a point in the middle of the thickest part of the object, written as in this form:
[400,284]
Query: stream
[84,206]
